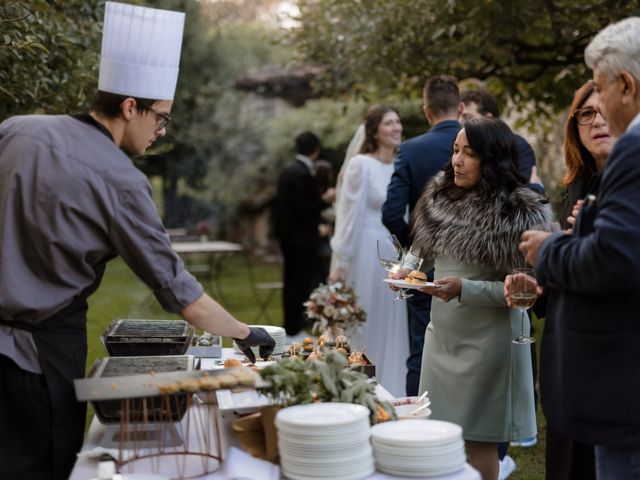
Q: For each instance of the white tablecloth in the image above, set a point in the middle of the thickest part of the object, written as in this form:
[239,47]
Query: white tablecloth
[236,464]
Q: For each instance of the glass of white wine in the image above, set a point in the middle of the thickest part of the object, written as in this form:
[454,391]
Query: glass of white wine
[390,256]
[523,294]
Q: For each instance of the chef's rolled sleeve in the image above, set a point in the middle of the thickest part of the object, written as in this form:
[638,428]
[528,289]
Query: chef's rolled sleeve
[183,290]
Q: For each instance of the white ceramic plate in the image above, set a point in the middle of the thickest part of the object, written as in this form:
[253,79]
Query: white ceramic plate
[416,432]
[302,432]
[143,476]
[360,474]
[403,284]
[324,415]
[422,452]
[419,474]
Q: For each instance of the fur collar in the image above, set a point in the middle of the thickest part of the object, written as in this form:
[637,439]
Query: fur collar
[476,230]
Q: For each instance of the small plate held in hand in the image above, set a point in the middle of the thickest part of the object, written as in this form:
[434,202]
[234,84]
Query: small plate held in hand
[401,283]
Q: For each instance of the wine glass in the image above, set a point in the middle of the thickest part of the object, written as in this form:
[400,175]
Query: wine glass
[523,295]
[390,256]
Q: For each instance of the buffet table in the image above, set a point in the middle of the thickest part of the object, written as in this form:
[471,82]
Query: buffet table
[236,464]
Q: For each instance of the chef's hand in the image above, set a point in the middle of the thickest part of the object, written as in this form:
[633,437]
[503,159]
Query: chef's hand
[445,289]
[399,275]
[508,284]
[258,336]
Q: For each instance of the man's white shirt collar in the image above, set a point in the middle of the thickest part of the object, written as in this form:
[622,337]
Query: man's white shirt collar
[307,161]
[635,122]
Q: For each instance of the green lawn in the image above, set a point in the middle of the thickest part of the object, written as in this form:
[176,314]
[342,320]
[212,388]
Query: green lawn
[123,295]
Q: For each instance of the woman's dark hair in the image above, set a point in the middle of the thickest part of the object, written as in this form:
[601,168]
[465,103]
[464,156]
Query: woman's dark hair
[495,144]
[108,104]
[577,158]
[372,121]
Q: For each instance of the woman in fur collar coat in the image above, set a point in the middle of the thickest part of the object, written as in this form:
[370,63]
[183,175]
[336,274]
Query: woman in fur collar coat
[467,225]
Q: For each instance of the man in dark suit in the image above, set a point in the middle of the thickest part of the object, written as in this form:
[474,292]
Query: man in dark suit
[590,359]
[297,217]
[419,159]
[480,103]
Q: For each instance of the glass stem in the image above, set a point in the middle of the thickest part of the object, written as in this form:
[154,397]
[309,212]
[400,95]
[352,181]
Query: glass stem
[521,322]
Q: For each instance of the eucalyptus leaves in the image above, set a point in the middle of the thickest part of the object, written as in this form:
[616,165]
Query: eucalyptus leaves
[295,381]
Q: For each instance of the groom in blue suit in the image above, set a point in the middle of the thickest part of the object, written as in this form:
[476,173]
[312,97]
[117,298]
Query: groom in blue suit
[419,159]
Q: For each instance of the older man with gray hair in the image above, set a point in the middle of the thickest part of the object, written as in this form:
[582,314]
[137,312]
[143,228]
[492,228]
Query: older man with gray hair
[590,364]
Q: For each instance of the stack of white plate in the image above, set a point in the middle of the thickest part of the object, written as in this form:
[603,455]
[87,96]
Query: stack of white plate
[325,441]
[418,448]
[277,333]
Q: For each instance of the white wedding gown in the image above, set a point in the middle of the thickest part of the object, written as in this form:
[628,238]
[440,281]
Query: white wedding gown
[358,226]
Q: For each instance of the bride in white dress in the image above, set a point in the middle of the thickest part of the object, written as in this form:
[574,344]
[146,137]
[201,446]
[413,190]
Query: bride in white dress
[362,191]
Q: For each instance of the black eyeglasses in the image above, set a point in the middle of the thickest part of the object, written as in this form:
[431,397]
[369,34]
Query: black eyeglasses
[585,116]
[162,119]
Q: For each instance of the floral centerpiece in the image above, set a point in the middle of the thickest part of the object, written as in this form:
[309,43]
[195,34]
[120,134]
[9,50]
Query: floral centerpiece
[334,308]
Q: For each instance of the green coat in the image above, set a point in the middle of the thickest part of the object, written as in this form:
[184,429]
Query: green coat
[475,376]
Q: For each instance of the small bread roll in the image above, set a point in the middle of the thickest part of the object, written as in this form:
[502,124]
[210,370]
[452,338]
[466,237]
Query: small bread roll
[209,383]
[232,362]
[416,276]
[190,385]
[168,388]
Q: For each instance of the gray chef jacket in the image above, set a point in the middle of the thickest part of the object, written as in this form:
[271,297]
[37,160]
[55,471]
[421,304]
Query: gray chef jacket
[70,200]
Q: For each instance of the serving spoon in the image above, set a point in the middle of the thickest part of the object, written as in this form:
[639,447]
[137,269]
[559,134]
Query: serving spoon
[420,408]
[422,397]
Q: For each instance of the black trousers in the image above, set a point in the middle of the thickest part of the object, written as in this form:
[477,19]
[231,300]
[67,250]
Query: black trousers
[26,450]
[566,459]
[303,271]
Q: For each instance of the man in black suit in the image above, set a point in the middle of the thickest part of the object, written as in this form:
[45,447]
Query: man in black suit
[298,215]
[419,159]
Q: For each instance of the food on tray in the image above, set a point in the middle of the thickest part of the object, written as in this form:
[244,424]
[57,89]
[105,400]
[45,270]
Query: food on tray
[190,385]
[294,348]
[417,277]
[315,355]
[241,378]
[232,362]
[307,341]
[308,347]
[356,358]
[232,378]
[330,344]
[209,383]
[169,388]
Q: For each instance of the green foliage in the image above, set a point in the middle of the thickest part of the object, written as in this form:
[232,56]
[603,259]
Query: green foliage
[294,381]
[49,53]
[259,142]
[198,159]
[526,50]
